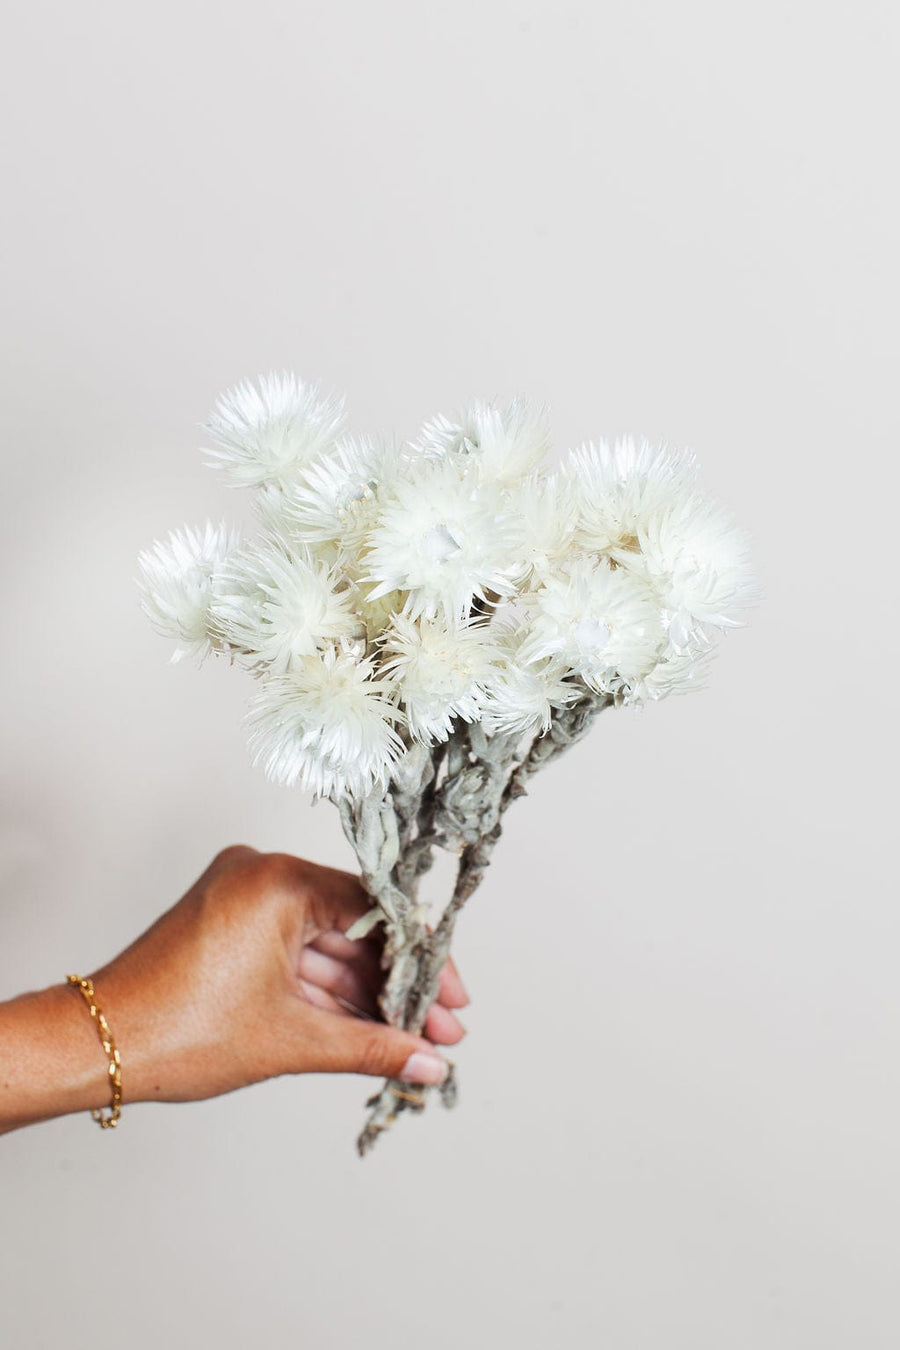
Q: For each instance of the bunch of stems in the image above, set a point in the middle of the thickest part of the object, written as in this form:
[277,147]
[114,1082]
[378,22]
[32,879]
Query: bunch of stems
[450,796]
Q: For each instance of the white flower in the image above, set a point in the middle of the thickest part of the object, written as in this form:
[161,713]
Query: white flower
[443,539]
[676,672]
[698,562]
[270,502]
[177,582]
[332,499]
[600,621]
[398,591]
[442,668]
[328,726]
[501,444]
[523,697]
[276,606]
[546,516]
[619,487]
[265,433]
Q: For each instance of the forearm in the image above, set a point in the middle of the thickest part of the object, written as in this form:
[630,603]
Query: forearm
[51,1060]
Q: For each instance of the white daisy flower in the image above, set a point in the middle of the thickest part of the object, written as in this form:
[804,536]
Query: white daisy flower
[265,433]
[271,503]
[332,499]
[546,516]
[699,564]
[442,668]
[522,697]
[599,621]
[501,444]
[445,540]
[177,581]
[619,487]
[328,726]
[275,606]
[676,672]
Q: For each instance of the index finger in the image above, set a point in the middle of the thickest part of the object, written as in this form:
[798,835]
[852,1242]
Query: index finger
[342,899]
[338,899]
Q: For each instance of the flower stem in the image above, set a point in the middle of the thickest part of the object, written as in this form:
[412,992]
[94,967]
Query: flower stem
[462,810]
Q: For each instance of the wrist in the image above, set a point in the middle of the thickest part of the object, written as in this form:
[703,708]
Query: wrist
[163,1047]
[53,1063]
[135,1032]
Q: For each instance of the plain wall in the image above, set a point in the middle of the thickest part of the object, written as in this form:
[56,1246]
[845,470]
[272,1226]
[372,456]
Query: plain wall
[680,1103]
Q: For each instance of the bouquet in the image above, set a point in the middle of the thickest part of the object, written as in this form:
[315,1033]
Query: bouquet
[431,623]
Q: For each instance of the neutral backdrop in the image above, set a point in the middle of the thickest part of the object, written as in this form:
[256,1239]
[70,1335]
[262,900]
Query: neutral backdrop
[679,220]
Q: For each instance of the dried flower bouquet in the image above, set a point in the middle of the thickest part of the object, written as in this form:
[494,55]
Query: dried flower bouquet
[431,623]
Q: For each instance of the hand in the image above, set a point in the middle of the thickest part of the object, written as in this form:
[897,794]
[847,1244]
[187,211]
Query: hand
[250,976]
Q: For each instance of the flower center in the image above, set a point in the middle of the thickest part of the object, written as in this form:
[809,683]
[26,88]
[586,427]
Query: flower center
[591,633]
[438,544]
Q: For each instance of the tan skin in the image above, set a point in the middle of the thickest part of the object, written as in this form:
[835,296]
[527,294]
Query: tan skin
[249,976]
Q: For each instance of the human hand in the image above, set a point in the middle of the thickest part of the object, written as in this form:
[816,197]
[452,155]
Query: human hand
[250,976]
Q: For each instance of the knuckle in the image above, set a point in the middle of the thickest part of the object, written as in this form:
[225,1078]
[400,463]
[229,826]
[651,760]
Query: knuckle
[234,853]
[375,1057]
[282,871]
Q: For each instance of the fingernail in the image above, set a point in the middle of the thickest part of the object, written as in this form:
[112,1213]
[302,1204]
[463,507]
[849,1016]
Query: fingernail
[424,1068]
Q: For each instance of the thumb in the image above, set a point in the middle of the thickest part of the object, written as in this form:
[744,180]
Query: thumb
[353,1045]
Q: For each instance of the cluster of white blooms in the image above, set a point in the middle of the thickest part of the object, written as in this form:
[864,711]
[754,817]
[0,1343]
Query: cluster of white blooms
[395,592]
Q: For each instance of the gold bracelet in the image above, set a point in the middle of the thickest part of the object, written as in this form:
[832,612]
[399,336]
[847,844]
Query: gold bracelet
[106,1040]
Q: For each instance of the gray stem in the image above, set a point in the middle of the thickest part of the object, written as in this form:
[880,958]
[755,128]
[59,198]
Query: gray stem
[394,836]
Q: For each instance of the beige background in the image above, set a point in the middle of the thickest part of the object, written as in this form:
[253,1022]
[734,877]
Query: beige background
[675,219]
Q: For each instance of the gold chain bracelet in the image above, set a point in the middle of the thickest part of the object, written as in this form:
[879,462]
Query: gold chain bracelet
[106,1040]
